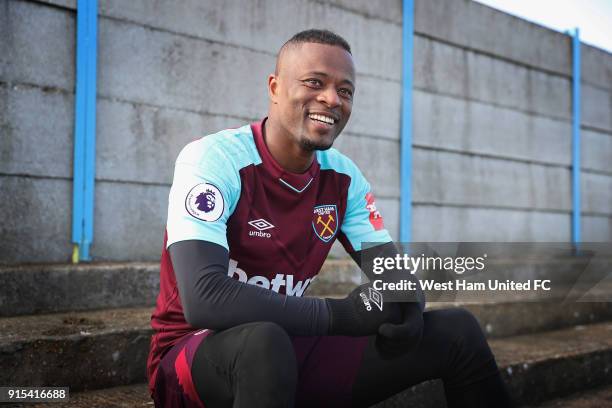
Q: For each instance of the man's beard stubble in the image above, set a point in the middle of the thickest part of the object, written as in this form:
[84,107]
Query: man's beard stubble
[311,147]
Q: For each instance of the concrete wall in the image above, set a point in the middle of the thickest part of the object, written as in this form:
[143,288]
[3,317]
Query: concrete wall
[493,128]
[492,111]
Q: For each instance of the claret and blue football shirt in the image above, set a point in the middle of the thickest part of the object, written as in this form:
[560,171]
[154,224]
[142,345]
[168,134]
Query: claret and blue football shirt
[277,226]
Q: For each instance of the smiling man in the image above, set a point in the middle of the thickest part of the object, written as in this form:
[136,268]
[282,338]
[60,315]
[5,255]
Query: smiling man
[311,94]
[252,215]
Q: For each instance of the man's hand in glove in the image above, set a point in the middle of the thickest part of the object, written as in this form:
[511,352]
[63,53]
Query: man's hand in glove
[403,337]
[362,312]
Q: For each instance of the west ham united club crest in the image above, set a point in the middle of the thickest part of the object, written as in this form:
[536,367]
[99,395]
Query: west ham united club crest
[325,221]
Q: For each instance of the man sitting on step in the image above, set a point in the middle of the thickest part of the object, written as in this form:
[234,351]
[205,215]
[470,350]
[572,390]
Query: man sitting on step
[252,215]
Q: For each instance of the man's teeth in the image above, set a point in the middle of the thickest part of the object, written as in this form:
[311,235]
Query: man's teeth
[322,118]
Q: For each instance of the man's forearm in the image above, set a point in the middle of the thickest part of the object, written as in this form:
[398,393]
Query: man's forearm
[213,300]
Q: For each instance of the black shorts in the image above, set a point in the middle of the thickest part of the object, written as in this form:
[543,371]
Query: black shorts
[327,368]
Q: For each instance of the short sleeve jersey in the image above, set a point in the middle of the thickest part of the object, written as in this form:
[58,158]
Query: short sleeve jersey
[277,226]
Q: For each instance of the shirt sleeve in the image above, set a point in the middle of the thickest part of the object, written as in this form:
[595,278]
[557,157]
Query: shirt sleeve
[362,221]
[213,300]
[204,193]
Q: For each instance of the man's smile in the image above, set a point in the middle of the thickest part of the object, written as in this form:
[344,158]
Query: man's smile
[323,117]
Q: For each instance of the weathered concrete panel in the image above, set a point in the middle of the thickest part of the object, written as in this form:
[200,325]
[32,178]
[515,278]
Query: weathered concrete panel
[596,193]
[131,225]
[596,150]
[390,210]
[596,229]
[596,107]
[442,177]
[489,79]
[37,131]
[147,66]
[474,127]
[5,33]
[41,45]
[140,143]
[390,10]
[5,127]
[142,65]
[434,223]
[36,220]
[548,94]
[495,32]
[378,160]
[266,25]
[376,108]
[596,66]
[442,68]
[70,4]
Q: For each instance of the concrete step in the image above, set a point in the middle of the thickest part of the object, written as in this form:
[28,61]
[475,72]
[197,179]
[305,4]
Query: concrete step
[101,349]
[556,363]
[597,398]
[83,350]
[505,319]
[30,289]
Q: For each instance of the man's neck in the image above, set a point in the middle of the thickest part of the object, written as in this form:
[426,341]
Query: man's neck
[287,153]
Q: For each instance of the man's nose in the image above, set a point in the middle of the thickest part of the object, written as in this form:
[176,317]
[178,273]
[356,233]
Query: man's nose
[330,97]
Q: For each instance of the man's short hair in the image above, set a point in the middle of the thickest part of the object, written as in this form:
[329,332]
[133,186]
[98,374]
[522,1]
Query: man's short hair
[319,37]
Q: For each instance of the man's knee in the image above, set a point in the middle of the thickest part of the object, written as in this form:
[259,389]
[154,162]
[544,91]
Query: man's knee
[269,345]
[465,326]
[268,338]
[460,327]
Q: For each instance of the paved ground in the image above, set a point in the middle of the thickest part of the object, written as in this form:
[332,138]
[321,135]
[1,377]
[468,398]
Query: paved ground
[137,396]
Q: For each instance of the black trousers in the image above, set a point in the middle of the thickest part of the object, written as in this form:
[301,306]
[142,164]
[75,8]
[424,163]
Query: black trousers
[255,365]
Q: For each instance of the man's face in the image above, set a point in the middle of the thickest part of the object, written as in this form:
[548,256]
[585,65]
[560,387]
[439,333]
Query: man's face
[312,93]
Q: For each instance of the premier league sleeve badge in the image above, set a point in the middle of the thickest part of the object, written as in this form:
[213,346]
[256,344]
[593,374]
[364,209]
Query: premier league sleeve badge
[205,202]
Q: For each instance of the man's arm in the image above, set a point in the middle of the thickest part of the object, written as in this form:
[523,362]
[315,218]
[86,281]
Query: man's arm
[213,300]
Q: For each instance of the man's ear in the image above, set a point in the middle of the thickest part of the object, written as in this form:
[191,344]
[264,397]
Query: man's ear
[273,87]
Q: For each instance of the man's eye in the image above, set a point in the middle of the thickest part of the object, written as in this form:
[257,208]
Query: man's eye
[346,92]
[313,82]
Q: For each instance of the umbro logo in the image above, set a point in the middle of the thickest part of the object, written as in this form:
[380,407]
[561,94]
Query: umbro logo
[261,225]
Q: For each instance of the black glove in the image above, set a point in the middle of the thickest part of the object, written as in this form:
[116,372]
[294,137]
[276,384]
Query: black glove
[394,339]
[361,313]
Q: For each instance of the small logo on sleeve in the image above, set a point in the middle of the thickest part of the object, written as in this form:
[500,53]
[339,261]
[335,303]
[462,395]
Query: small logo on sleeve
[375,218]
[205,202]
